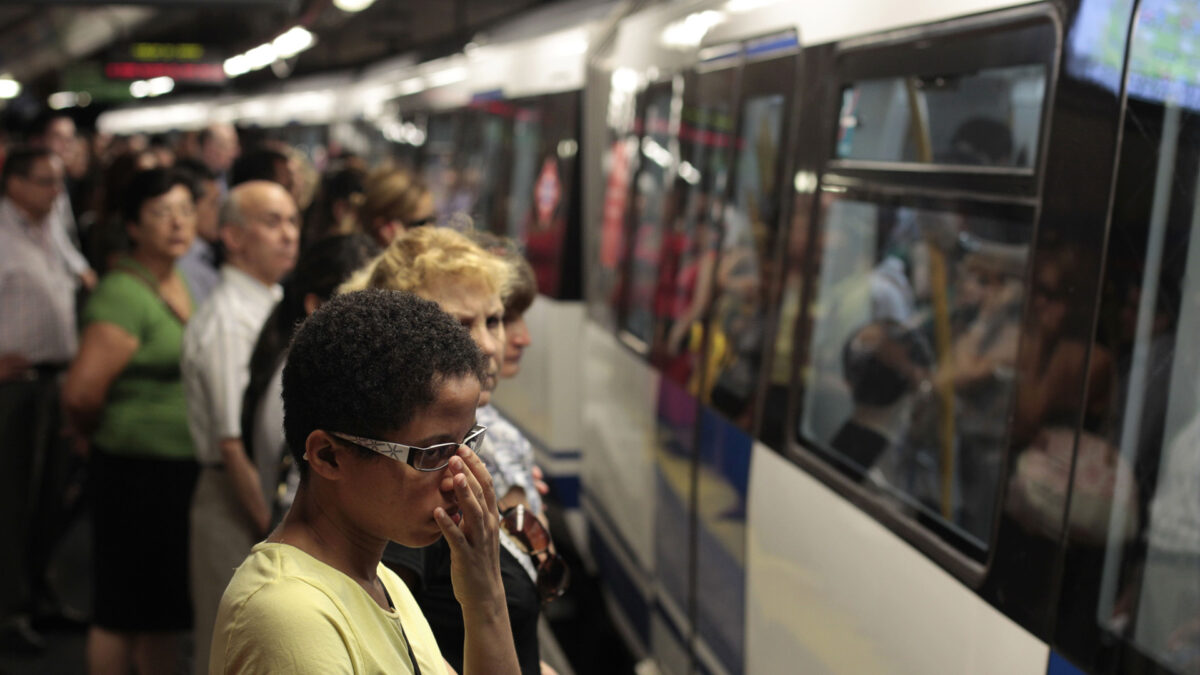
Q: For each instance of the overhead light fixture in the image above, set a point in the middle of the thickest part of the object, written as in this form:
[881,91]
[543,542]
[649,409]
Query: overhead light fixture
[352,5]
[410,86]
[691,30]
[153,87]
[261,56]
[9,88]
[62,99]
[288,44]
[447,76]
[236,66]
[293,42]
[742,6]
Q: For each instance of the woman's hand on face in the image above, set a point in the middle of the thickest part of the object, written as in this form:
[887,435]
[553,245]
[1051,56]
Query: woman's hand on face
[474,540]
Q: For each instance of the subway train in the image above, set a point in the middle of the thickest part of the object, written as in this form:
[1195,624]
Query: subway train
[856,344]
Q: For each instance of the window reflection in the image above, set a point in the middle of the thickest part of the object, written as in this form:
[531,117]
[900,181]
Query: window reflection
[744,274]
[987,118]
[1149,591]
[693,236]
[649,195]
[914,352]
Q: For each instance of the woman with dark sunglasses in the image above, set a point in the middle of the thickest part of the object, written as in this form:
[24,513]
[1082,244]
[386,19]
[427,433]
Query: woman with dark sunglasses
[393,202]
[379,395]
[468,283]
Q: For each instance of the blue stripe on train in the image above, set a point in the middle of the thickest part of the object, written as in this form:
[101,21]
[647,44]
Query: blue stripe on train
[1059,665]
[772,44]
[565,490]
[724,451]
[621,585]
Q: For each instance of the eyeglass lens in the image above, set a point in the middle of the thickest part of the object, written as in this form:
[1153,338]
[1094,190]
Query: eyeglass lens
[438,456]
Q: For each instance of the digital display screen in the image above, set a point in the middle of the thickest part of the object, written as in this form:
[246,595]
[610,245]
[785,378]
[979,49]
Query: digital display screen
[1164,64]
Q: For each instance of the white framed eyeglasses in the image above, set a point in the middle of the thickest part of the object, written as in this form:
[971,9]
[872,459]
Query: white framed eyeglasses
[433,458]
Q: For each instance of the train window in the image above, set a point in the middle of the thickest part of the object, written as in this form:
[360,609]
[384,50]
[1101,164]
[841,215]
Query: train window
[441,167]
[650,190]
[751,228]
[527,140]
[607,250]
[990,117]
[482,182]
[693,224]
[543,217]
[916,320]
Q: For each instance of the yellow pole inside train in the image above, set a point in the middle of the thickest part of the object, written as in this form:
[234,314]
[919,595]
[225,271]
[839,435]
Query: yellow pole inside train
[944,383]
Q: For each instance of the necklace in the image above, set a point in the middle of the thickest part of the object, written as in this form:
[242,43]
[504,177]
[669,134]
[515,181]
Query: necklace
[407,643]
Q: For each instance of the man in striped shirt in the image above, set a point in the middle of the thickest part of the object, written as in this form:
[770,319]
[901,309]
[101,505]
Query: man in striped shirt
[260,231]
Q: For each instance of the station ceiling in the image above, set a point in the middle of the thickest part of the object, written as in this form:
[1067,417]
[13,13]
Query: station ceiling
[45,43]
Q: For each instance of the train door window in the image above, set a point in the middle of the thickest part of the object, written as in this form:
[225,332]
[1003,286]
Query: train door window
[970,97]
[914,343]
[1130,599]
[985,118]
[527,138]
[650,190]
[549,230]
[692,224]
[750,235]
[607,249]
[482,180]
[441,166]
[918,282]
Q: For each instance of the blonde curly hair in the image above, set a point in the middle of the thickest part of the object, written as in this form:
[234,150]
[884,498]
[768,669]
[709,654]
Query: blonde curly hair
[425,257]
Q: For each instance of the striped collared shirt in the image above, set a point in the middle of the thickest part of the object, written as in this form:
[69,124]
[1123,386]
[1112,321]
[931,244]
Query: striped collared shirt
[508,456]
[37,290]
[216,358]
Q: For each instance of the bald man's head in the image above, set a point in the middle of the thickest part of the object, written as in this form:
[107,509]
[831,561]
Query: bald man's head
[260,227]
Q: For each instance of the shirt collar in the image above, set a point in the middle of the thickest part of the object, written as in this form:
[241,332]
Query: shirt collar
[253,288]
[10,212]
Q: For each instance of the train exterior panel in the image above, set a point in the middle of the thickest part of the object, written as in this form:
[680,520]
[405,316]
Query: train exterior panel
[833,609]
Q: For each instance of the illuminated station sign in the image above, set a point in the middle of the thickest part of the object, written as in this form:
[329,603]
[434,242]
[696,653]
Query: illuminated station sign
[182,62]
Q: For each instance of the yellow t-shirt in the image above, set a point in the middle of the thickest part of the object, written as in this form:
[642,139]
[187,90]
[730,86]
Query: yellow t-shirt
[287,612]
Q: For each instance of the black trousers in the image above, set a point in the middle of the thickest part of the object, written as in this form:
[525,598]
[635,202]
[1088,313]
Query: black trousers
[39,488]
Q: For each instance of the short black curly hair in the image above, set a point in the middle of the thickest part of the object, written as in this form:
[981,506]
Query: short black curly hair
[366,363]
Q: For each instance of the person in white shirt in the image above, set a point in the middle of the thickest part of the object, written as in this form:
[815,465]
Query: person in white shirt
[56,133]
[37,340]
[260,232]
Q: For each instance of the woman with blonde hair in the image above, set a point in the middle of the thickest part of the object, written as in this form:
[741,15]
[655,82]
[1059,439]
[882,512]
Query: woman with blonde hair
[468,283]
[394,201]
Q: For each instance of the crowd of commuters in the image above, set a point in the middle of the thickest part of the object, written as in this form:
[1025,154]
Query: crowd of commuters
[242,517]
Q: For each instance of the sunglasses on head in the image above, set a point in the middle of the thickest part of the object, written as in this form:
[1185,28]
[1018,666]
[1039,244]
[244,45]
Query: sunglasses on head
[532,537]
[433,458]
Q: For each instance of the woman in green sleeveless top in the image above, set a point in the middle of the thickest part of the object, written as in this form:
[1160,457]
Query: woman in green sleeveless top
[124,394]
